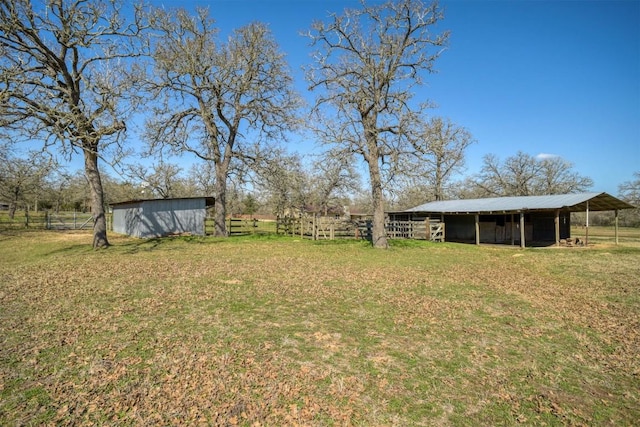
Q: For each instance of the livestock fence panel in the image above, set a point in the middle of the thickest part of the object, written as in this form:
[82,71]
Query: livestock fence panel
[301,227]
[427,229]
[323,228]
[330,228]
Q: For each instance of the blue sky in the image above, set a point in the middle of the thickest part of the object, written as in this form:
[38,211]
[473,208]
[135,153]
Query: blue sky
[543,77]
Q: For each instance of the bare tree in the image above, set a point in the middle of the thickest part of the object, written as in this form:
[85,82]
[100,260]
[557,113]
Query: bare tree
[118,190]
[22,178]
[513,178]
[410,194]
[630,192]
[285,183]
[334,176]
[63,80]
[202,177]
[223,102]
[558,177]
[68,191]
[160,180]
[367,62]
[439,153]
[525,175]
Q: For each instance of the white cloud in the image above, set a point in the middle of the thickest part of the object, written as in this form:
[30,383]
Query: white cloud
[544,156]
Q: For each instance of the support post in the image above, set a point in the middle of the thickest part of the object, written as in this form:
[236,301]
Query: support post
[556,222]
[477,229]
[522,242]
[616,226]
[513,231]
[586,235]
[427,226]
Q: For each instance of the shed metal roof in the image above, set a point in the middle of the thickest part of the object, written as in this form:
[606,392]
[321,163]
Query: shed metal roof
[208,200]
[570,202]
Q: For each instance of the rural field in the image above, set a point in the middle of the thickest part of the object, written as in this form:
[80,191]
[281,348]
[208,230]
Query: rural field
[268,331]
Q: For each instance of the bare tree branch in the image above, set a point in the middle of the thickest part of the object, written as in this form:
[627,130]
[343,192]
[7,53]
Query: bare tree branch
[525,175]
[367,61]
[65,80]
[223,102]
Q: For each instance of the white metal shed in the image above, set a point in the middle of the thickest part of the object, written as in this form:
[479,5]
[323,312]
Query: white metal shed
[161,217]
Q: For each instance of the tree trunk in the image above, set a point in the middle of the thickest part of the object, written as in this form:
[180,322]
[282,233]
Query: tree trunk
[438,183]
[379,234]
[97,200]
[220,202]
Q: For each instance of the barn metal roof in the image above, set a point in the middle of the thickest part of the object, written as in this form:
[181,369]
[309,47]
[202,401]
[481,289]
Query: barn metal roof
[571,202]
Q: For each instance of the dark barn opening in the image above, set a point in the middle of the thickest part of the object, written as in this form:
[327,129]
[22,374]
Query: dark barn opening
[525,220]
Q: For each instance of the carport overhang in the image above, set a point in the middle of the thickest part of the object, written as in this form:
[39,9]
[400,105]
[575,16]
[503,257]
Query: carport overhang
[519,206]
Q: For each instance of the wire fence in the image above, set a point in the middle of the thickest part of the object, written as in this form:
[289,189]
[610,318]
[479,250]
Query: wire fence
[45,220]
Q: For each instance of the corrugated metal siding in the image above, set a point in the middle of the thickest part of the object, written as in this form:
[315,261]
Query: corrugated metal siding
[125,219]
[163,217]
[155,218]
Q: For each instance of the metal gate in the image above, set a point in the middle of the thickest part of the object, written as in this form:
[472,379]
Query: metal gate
[69,221]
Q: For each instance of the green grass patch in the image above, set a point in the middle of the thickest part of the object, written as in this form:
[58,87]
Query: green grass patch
[266,330]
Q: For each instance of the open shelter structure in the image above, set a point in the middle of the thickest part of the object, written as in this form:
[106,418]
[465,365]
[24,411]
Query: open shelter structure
[161,217]
[524,220]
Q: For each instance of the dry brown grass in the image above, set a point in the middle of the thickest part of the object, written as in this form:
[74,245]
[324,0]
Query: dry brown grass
[283,332]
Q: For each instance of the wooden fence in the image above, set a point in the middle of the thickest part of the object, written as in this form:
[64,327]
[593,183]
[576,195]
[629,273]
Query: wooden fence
[23,220]
[323,228]
[314,228]
[328,228]
[243,226]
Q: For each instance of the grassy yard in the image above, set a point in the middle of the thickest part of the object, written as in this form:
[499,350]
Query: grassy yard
[261,331]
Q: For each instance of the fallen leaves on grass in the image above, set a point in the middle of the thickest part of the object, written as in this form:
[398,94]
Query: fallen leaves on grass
[265,333]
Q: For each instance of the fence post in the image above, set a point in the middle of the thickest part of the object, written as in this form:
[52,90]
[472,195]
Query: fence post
[314,228]
[427,225]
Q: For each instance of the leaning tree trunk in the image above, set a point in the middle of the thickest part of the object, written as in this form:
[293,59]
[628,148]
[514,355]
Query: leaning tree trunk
[97,199]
